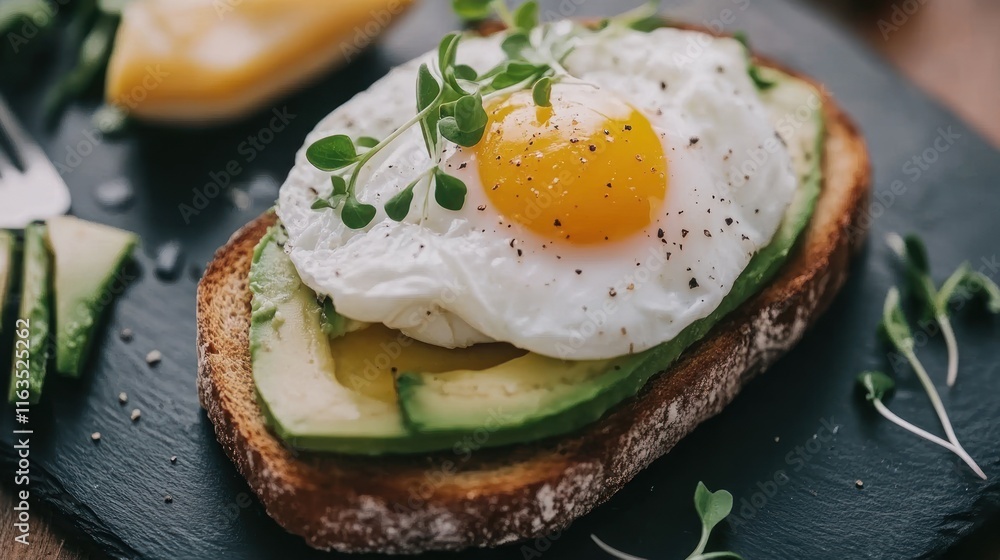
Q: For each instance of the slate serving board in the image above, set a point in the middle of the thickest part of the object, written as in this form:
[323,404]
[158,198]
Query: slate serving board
[789,449]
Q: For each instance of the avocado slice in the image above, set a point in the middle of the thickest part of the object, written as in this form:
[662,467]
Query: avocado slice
[294,370]
[86,257]
[534,397]
[7,243]
[31,334]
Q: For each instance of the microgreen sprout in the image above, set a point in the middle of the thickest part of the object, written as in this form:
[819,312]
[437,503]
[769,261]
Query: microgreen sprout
[897,330]
[712,508]
[450,105]
[934,302]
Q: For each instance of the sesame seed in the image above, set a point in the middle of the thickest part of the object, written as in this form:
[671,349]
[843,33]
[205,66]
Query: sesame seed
[136,413]
[859,483]
[154,357]
[96,436]
[122,397]
[173,458]
[125,335]
[708,233]
[660,233]
[168,499]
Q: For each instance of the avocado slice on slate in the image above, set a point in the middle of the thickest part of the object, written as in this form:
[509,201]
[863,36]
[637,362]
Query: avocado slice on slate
[31,331]
[533,397]
[87,258]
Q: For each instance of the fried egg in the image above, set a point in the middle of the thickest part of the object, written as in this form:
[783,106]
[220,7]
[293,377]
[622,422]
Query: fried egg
[597,227]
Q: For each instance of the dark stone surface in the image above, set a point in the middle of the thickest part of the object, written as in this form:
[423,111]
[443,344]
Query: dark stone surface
[917,501]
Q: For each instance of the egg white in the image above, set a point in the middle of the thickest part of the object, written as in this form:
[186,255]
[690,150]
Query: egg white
[458,278]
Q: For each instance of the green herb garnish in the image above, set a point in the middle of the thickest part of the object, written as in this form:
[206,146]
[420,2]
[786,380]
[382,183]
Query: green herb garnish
[450,103]
[712,508]
[933,301]
[897,330]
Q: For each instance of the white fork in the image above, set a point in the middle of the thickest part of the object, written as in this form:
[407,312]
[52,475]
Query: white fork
[30,187]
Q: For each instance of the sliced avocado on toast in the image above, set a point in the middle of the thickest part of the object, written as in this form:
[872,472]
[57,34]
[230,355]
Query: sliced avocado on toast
[31,330]
[294,371]
[523,399]
[87,257]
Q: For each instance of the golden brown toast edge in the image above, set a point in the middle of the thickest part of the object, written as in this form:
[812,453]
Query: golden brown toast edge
[487,497]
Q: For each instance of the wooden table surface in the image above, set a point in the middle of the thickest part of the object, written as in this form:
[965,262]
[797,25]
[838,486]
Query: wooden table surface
[951,49]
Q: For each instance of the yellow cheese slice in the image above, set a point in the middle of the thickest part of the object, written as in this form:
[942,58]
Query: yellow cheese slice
[196,61]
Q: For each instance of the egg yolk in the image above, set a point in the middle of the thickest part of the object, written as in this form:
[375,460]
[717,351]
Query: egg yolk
[588,169]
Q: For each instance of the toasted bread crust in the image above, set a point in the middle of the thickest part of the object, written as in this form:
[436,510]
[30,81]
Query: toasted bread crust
[490,497]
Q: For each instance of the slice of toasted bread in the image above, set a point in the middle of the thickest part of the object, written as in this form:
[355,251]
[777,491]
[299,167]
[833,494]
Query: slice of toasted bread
[488,497]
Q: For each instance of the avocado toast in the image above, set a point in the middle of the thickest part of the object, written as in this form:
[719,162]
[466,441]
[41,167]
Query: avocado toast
[471,494]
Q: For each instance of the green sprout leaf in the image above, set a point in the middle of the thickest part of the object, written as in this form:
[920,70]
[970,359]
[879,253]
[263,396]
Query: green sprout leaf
[357,214]
[448,50]
[339,185]
[428,88]
[472,10]
[955,285]
[712,508]
[515,73]
[336,197]
[969,284]
[980,285]
[918,274]
[399,206]
[542,92]
[464,121]
[515,45]
[332,153]
[894,323]
[526,16]
[876,384]
[449,191]
[366,142]
[465,72]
